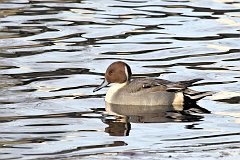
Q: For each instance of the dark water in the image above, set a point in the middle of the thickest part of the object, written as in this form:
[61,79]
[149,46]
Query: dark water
[54,52]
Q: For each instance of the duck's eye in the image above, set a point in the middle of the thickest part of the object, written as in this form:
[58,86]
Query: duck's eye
[110,73]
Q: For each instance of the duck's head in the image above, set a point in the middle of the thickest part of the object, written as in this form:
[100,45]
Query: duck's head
[117,72]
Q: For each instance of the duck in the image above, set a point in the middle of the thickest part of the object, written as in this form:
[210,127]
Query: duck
[146,91]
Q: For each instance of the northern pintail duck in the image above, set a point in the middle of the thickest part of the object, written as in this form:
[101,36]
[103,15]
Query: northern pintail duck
[146,91]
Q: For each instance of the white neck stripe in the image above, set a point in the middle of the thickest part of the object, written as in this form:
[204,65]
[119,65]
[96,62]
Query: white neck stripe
[126,72]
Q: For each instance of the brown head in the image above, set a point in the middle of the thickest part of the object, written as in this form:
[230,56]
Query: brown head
[117,72]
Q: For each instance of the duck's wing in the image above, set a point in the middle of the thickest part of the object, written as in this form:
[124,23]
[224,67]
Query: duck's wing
[159,85]
[140,84]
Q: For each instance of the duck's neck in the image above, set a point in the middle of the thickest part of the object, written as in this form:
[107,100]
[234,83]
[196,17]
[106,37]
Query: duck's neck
[113,89]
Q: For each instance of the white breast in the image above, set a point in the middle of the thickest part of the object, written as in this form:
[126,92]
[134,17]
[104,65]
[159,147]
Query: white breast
[178,101]
[112,90]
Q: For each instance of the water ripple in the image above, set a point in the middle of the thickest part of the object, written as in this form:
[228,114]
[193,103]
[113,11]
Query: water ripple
[54,53]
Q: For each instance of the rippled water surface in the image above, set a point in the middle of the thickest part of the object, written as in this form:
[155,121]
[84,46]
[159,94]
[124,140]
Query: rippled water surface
[53,53]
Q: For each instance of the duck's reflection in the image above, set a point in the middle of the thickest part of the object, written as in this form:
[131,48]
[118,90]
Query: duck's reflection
[127,114]
[117,128]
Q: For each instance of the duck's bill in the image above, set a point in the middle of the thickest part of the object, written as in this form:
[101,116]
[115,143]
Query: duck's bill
[104,84]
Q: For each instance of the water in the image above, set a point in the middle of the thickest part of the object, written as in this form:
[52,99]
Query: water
[53,53]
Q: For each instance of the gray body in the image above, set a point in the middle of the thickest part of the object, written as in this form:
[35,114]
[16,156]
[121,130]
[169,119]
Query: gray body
[149,91]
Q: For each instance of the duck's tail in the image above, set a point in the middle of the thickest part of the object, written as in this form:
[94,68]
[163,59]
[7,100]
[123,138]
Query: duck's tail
[195,95]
